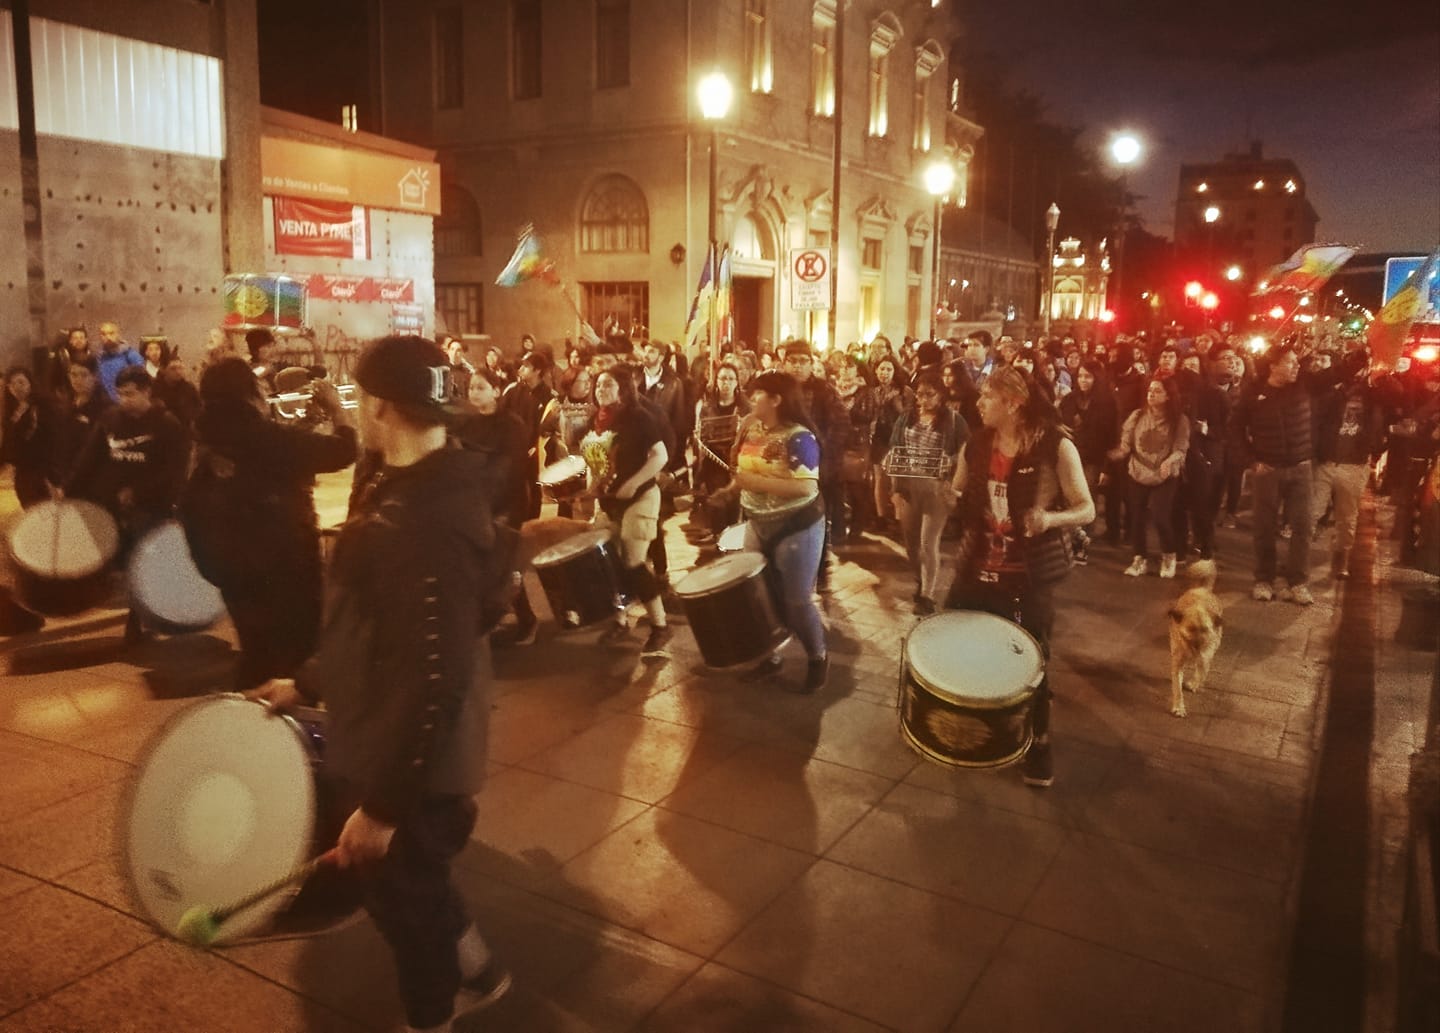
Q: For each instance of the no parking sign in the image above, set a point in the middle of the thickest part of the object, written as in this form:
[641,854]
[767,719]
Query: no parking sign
[810,273]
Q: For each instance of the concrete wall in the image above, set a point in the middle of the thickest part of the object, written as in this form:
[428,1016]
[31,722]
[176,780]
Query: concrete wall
[130,235]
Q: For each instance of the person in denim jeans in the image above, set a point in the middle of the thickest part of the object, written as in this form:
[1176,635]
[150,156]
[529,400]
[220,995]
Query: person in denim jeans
[777,469]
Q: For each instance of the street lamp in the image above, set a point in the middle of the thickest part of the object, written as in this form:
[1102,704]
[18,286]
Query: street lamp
[1052,220]
[939,181]
[1212,214]
[1125,150]
[715,95]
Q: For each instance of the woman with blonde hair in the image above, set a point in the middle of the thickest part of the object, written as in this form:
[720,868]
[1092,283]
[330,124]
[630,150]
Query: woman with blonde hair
[1022,490]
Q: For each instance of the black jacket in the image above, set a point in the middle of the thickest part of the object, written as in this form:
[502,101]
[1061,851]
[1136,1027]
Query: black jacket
[1093,421]
[401,663]
[832,423]
[668,395]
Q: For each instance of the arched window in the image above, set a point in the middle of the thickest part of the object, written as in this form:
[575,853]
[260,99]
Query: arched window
[615,217]
[458,228]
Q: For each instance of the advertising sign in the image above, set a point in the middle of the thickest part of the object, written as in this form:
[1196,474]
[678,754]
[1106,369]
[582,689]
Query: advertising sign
[329,287]
[810,272]
[321,229]
[292,168]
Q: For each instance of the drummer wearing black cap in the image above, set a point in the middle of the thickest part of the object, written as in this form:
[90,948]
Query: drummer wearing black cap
[403,668]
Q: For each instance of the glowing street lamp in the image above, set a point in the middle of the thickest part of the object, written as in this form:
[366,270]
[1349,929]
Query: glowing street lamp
[1212,213]
[939,181]
[715,95]
[1234,273]
[1125,150]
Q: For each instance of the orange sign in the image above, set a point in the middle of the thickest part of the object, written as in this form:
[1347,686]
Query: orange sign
[290,168]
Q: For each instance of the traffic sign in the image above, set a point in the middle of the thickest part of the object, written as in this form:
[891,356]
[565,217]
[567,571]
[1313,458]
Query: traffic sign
[810,272]
[1397,271]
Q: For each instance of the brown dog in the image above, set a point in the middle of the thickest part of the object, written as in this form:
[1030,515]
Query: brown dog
[1197,621]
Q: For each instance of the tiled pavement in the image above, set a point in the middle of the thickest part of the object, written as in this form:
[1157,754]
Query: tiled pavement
[664,849]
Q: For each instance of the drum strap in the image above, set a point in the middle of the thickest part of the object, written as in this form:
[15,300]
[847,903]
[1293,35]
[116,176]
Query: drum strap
[772,532]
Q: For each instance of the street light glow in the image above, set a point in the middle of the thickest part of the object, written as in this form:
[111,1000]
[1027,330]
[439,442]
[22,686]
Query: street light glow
[1234,273]
[1125,149]
[1212,213]
[1210,301]
[939,178]
[1193,289]
[715,94]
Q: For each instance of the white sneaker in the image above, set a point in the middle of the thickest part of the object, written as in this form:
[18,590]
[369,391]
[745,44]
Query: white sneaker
[1262,592]
[1300,596]
[1137,567]
[1167,565]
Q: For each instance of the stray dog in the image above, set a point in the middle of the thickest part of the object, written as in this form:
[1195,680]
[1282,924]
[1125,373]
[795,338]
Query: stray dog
[1196,622]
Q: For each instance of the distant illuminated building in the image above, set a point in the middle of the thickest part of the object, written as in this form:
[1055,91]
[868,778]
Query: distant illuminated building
[1078,281]
[1262,215]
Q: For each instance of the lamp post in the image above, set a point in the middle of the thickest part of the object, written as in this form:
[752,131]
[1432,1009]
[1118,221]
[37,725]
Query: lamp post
[1125,150]
[715,95]
[939,181]
[1052,220]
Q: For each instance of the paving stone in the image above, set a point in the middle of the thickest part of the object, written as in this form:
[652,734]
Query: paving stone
[720,1000]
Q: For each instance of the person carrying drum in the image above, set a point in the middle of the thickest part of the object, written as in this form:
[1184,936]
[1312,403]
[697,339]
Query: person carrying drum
[777,469]
[928,438]
[404,670]
[249,515]
[1022,489]
[134,465]
[625,452]
[717,417]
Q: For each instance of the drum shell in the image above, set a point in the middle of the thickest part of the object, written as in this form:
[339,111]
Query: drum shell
[62,597]
[735,624]
[982,729]
[583,589]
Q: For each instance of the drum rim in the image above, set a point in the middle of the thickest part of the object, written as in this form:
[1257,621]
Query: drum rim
[727,558]
[1027,691]
[126,811]
[36,512]
[600,535]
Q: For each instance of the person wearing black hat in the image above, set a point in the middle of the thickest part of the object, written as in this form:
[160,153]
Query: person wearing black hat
[403,666]
[249,515]
[261,345]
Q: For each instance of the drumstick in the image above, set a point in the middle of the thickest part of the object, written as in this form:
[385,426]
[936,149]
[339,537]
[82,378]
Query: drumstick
[200,925]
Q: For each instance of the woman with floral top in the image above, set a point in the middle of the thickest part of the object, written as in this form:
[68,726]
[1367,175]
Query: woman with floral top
[1154,439]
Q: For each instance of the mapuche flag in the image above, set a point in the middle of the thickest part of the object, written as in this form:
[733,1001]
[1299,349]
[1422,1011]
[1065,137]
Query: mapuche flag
[1421,292]
[697,327]
[1305,271]
[527,263]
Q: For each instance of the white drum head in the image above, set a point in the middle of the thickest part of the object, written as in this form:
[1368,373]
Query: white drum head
[571,547]
[165,583]
[562,470]
[64,539]
[724,572]
[732,539]
[222,803]
[976,658]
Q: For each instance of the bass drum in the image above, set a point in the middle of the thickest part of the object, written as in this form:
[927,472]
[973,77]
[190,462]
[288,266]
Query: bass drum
[564,479]
[581,578]
[731,612]
[223,801]
[62,550]
[165,585]
[967,682]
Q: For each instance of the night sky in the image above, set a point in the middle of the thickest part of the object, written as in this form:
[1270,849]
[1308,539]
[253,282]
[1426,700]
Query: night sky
[1350,92]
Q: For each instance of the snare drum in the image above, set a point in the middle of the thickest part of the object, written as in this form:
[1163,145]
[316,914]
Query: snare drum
[581,578]
[564,479]
[62,551]
[223,801]
[165,585]
[734,617]
[967,681]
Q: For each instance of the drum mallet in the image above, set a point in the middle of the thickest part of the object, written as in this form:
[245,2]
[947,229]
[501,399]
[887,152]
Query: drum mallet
[200,925]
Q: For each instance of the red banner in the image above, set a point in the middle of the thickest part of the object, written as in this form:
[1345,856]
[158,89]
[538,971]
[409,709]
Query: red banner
[328,287]
[321,229]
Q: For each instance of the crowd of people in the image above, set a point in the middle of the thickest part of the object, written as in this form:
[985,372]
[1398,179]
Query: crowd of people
[1003,446]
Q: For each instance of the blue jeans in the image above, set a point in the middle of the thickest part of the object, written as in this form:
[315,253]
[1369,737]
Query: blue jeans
[797,562]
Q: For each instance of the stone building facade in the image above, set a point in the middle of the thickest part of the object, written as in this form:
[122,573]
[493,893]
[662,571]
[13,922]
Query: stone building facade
[581,118]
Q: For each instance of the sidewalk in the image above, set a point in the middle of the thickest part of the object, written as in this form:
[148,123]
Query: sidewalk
[664,849]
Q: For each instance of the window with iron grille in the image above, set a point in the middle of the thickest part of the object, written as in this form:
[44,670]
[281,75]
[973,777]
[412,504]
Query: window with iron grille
[460,307]
[616,305]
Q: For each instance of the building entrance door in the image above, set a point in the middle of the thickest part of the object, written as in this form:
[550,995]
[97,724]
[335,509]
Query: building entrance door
[747,300]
